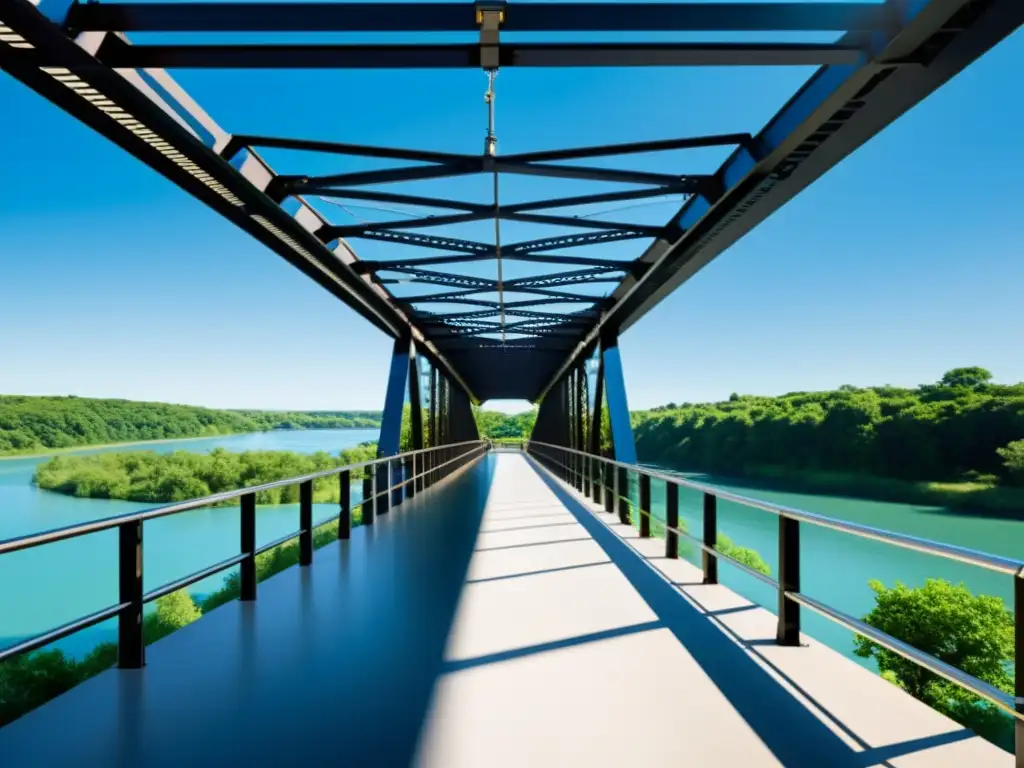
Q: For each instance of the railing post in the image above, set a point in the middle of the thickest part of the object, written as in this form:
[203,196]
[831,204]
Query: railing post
[409,475]
[645,505]
[597,486]
[671,520]
[247,568]
[369,484]
[789,581]
[710,538]
[621,489]
[396,475]
[131,647]
[585,474]
[383,495]
[306,523]
[345,505]
[610,484]
[1018,672]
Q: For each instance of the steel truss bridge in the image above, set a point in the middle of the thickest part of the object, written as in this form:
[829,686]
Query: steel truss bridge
[99,62]
[886,57]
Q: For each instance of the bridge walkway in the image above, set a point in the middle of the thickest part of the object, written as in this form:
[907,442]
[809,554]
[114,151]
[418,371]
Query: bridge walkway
[496,620]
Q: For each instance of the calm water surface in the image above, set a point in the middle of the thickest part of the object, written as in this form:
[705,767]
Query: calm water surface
[47,586]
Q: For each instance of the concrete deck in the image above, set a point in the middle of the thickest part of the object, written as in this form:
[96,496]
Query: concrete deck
[497,620]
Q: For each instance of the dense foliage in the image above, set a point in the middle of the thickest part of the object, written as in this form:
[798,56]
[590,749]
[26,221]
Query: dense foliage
[963,427]
[28,681]
[972,633]
[30,424]
[497,426]
[33,679]
[153,477]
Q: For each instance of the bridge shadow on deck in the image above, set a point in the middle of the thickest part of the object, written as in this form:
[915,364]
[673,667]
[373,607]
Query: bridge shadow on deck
[332,665]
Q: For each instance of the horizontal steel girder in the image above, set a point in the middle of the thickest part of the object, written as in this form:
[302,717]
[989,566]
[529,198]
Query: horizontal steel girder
[455,17]
[468,56]
[397,265]
[361,230]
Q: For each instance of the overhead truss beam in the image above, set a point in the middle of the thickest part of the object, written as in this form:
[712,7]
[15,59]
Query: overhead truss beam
[398,265]
[115,53]
[459,17]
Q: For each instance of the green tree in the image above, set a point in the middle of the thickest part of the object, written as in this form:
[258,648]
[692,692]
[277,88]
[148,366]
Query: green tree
[173,612]
[972,377]
[973,633]
[1013,460]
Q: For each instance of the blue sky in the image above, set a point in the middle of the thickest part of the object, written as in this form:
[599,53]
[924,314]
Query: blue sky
[904,261]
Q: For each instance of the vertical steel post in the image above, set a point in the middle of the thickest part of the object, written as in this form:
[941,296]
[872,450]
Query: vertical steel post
[710,538]
[415,402]
[369,503]
[247,568]
[131,645]
[611,485]
[435,440]
[382,487]
[621,491]
[345,505]
[396,474]
[410,476]
[645,505]
[789,581]
[306,523]
[671,520]
[580,417]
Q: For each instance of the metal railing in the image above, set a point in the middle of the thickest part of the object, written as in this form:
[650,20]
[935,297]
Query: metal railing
[414,471]
[606,479]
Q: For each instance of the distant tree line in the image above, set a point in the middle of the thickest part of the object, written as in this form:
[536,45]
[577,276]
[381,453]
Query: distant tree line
[964,427]
[29,424]
[497,426]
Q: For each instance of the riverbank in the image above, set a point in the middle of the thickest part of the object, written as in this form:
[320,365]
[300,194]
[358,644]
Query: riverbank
[98,447]
[73,448]
[964,497]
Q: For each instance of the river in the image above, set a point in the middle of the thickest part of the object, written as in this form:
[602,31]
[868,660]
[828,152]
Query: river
[56,583]
[50,585]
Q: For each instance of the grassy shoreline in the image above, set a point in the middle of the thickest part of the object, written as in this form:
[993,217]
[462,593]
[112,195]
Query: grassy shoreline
[32,454]
[964,497]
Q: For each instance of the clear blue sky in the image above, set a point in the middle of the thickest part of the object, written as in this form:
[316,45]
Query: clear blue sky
[904,261]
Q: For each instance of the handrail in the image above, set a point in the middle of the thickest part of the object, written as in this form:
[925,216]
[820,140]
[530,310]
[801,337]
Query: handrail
[106,523]
[997,563]
[435,462]
[788,584]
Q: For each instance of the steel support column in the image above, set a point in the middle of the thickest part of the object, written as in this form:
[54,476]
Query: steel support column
[594,442]
[579,417]
[623,445]
[394,399]
[415,402]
